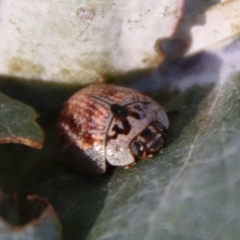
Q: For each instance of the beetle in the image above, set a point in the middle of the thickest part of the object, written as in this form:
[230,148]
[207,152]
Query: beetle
[110,124]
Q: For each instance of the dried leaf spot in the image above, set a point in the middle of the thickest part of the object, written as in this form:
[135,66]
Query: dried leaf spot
[85,13]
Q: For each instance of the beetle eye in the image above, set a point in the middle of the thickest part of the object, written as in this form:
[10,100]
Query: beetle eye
[156,144]
[137,149]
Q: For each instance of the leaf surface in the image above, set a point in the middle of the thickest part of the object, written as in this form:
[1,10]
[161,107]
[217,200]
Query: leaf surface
[82,41]
[17,123]
[188,191]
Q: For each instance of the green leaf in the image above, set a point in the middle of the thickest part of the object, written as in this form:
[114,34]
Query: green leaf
[17,123]
[189,191]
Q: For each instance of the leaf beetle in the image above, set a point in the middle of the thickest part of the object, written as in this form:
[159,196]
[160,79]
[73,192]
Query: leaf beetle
[110,124]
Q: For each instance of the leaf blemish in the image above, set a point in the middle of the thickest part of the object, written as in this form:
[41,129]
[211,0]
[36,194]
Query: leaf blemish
[85,13]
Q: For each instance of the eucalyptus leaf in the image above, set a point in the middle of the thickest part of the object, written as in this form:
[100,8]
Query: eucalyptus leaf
[188,191]
[204,24]
[82,41]
[17,123]
[191,190]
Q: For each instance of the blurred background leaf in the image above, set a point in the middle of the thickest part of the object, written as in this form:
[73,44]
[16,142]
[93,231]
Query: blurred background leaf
[82,41]
[17,123]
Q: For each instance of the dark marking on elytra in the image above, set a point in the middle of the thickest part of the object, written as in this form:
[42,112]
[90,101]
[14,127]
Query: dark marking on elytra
[126,128]
[119,111]
[137,112]
[135,115]
[137,107]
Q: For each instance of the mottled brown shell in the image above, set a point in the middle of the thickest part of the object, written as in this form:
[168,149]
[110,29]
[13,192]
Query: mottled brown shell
[106,123]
